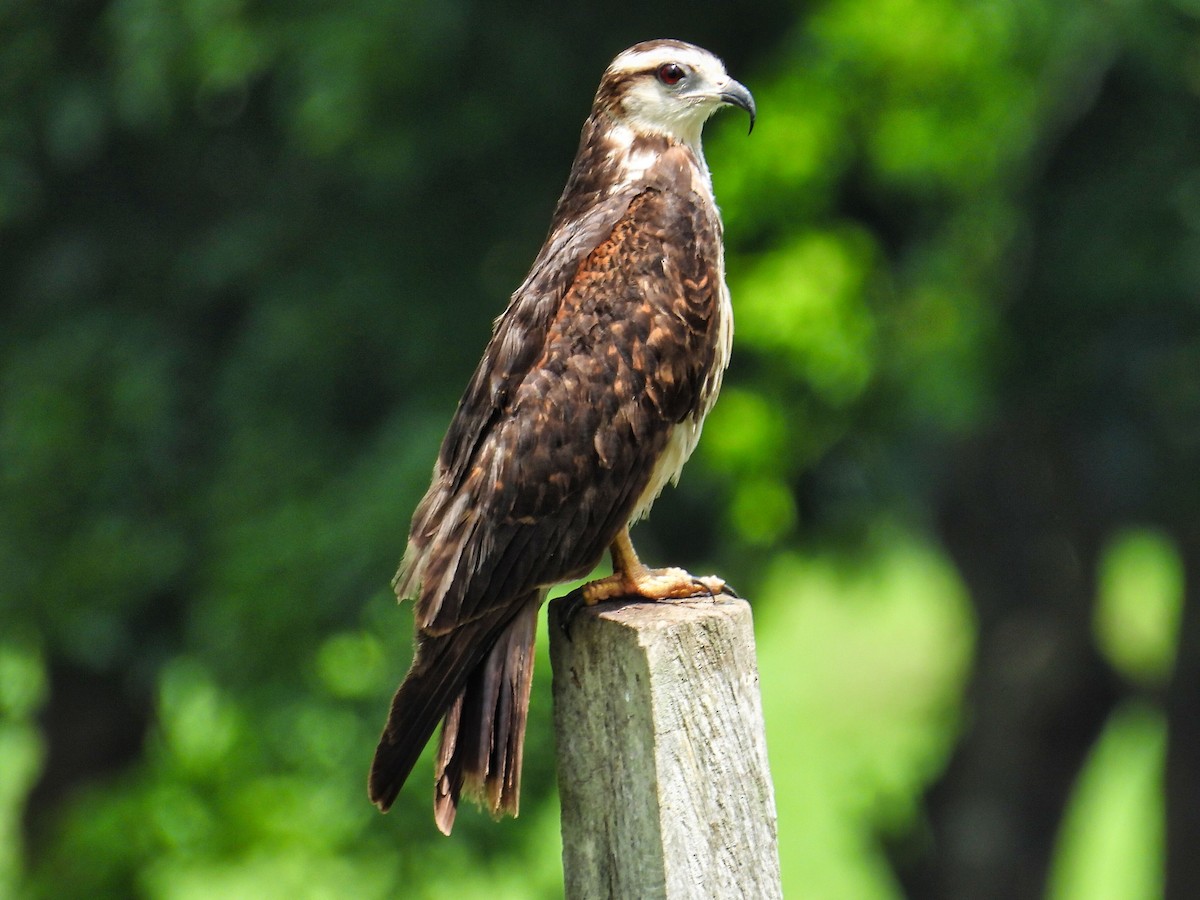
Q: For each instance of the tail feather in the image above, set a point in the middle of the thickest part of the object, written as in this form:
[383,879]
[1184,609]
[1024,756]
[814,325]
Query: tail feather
[483,737]
[477,677]
[421,700]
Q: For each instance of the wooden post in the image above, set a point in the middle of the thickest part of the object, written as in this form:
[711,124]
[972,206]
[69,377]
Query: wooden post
[662,760]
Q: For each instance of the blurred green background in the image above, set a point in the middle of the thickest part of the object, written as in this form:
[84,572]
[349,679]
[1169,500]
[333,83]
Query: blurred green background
[249,255]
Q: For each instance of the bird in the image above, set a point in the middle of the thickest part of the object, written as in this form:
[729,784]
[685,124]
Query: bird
[588,400]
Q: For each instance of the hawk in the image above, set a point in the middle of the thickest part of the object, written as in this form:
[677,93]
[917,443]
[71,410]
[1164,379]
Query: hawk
[589,398]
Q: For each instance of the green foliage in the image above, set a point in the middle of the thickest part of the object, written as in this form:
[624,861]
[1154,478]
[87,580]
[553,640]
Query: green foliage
[22,691]
[1111,845]
[861,663]
[250,255]
[1139,605]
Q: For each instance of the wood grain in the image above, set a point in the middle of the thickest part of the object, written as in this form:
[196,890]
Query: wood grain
[662,760]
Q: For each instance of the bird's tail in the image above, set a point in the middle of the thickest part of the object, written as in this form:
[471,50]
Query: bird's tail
[483,737]
[480,682]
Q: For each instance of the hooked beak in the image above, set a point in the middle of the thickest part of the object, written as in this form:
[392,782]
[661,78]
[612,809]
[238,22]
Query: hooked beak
[736,94]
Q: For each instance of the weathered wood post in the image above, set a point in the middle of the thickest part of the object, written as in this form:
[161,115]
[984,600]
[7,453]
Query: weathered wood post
[662,759]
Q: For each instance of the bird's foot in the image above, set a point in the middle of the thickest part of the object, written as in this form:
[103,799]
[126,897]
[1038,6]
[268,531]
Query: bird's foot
[652,584]
[641,584]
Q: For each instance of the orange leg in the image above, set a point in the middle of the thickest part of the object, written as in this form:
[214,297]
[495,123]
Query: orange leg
[632,579]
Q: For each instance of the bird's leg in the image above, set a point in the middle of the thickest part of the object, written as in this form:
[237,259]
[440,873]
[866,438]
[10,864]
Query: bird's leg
[632,579]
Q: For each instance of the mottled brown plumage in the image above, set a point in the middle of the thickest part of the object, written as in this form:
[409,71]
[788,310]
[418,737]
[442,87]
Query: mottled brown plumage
[588,399]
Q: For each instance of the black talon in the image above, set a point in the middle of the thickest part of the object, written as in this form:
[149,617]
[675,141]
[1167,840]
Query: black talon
[569,607]
[728,589]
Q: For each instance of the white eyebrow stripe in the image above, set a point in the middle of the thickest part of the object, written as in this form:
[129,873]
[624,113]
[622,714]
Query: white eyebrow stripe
[643,59]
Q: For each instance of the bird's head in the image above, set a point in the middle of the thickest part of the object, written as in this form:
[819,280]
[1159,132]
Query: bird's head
[669,88]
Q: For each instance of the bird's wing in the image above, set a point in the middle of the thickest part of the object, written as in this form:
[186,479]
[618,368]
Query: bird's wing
[520,332]
[570,410]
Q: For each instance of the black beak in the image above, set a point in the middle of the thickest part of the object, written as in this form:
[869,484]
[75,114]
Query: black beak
[736,94]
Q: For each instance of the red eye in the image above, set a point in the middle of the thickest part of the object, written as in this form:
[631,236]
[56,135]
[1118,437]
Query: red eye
[670,74]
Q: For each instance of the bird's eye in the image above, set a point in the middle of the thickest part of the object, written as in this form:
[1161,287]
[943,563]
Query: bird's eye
[670,74]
